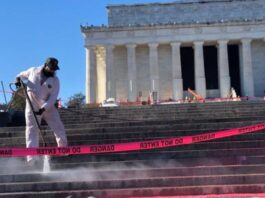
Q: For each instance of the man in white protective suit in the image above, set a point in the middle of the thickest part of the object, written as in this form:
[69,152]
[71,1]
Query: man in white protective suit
[42,87]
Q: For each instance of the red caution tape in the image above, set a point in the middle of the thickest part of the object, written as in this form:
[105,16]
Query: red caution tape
[130,146]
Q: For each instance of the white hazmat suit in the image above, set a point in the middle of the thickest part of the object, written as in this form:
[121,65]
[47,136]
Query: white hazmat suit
[43,92]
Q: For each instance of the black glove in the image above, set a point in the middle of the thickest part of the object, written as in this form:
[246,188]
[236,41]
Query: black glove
[18,82]
[40,111]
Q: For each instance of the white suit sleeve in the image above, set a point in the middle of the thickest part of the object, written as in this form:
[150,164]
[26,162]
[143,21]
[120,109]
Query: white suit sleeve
[24,75]
[53,96]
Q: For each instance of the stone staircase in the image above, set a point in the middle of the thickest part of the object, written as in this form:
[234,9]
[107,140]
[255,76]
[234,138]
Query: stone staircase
[230,165]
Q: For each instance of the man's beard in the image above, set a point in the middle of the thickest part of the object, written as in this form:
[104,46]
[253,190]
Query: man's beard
[48,74]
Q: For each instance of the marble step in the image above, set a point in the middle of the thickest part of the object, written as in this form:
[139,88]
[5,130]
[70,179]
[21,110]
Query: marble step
[143,192]
[138,172]
[143,126]
[129,134]
[108,188]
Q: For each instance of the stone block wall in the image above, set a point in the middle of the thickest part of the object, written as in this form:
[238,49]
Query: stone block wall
[186,12]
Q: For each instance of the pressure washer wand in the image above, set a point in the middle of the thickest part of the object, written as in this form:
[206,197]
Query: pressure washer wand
[32,109]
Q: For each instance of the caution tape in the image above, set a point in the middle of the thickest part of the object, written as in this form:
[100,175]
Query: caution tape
[130,146]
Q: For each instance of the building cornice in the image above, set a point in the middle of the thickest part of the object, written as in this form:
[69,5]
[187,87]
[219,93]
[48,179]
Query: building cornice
[94,29]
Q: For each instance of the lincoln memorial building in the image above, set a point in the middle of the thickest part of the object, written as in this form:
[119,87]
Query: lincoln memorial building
[208,46]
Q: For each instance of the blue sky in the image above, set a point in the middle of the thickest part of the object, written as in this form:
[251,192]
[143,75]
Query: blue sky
[32,30]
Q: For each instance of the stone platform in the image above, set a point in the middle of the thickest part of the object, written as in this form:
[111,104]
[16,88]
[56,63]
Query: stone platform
[223,166]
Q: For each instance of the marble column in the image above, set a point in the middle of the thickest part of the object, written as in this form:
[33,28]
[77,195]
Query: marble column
[177,81]
[154,68]
[223,69]
[110,82]
[131,62]
[90,75]
[247,81]
[200,82]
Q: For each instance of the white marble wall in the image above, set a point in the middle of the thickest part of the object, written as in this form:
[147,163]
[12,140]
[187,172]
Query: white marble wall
[97,86]
[142,65]
[258,62]
[165,72]
[121,72]
[248,35]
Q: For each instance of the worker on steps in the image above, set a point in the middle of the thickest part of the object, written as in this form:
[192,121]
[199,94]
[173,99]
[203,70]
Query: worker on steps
[43,88]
